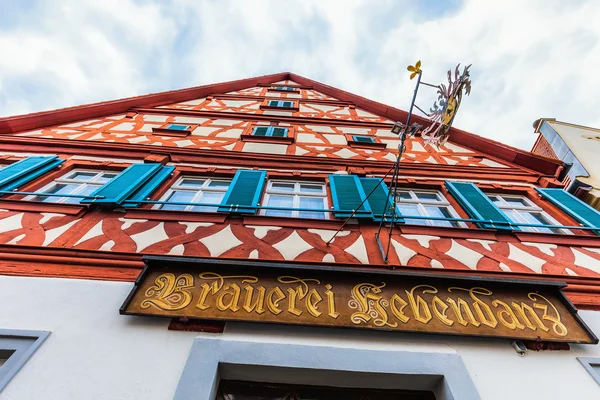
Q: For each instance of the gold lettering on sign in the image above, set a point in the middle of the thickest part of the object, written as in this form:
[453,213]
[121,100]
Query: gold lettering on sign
[169,293]
[397,305]
[406,303]
[330,302]
[216,286]
[418,305]
[258,304]
[507,316]
[483,311]
[273,304]
[558,327]
[365,297]
[298,293]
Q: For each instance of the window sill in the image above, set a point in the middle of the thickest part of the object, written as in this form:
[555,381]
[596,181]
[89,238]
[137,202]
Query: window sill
[268,139]
[272,108]
[447,231]
[368,146]
[172,215]
[171,132]
[41,207]
[307,223]
[559,239]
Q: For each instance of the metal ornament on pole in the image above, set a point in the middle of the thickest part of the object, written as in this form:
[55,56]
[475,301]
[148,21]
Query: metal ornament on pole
[441,116]
[403,131]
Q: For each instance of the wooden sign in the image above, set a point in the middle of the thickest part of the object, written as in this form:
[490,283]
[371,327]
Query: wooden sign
[341,297]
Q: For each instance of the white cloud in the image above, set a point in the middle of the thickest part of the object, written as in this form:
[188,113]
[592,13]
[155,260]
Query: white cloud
[531,58]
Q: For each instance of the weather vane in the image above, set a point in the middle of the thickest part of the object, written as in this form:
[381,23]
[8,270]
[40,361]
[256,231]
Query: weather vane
[444,108]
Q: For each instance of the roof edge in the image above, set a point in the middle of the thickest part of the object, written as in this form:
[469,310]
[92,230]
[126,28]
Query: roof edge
[42,119]
[479,143]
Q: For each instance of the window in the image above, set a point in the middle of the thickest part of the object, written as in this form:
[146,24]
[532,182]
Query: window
[364,139]
[426,203]
[189,189]
[522,210]
[280,104]
[77,182]
[305,195]
[177,127]
[16,347]
[592,366]
[229,390]
[273,131]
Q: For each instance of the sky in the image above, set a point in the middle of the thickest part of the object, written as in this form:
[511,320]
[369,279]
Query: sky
[530,58]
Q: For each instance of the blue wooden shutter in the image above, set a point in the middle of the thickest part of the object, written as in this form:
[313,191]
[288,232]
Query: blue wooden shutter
[150,186]
[26,170]
[347,194]
[245,190]
[380,199]
[479,206]
[576,208]
[118,189]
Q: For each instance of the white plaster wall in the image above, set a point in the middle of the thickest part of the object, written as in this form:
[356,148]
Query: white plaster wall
[92,352]
[95,353]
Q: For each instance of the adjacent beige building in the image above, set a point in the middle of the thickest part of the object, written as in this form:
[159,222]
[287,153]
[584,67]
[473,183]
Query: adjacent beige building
[579,147]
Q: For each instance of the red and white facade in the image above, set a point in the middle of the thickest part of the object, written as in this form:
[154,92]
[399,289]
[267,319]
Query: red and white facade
[65,267]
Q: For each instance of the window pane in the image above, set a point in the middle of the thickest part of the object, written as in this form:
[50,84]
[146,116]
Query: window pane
[365,139]
[219,184]
[177,127]
[287,104]
[58,188]
[516,201]
[210,198]
[440,212]
[539,218]
[279,132]
[196,183]
[307,188]
[273,103]
[427,196]
[179,196]
[311,202]
[402,195]
[260,131]
[82,176]
[283,186]
[105,178]
[280,201]
[411,209]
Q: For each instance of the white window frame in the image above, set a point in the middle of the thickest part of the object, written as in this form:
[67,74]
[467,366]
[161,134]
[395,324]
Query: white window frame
[296,194]
[177,187]
[441,202]
[531,207]
[65,180]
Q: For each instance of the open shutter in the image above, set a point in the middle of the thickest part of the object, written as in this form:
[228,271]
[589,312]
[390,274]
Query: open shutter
[570,204]
[26,170]
[347,194]
[479,206]
[245,190]
[150,186]
[380,199]
[118,189]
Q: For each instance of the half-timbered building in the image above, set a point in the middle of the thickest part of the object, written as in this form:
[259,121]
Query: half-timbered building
[234,240]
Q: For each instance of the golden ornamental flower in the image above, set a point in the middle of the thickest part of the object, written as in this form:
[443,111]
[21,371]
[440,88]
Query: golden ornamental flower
[415,70]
